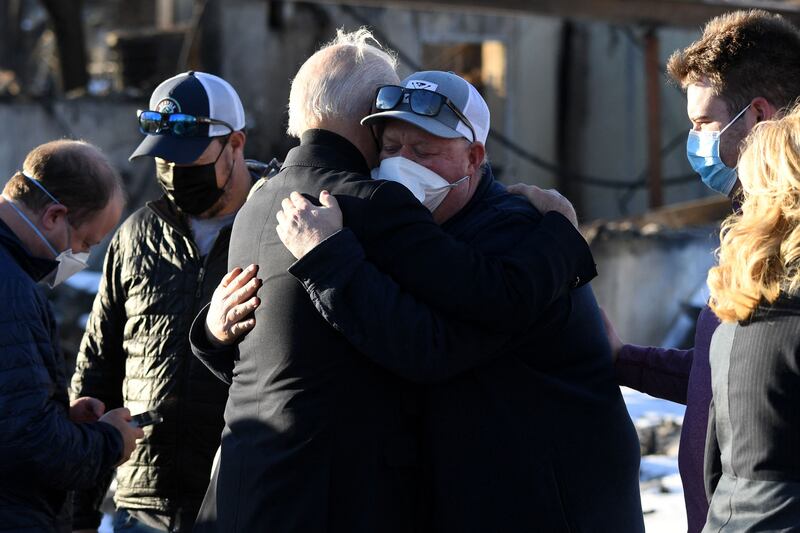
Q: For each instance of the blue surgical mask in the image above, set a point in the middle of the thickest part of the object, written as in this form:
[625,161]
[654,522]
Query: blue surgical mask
[702,149]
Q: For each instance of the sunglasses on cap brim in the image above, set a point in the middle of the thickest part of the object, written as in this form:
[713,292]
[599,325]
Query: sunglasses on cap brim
[177,124]
[423,102]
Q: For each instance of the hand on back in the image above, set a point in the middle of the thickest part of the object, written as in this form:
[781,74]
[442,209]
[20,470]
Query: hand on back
[232,304]
[546,200]
[303,225]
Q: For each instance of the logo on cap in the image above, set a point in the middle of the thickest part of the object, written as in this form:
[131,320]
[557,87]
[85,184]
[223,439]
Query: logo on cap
[168,106]
[421,84]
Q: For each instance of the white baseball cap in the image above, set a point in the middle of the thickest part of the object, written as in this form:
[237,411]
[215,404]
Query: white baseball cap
[446,123]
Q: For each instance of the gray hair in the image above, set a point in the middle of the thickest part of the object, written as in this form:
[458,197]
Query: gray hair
[339,81]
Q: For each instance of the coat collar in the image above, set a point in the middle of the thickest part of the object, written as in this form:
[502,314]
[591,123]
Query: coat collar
[168,212]
[325,149]
[36,267]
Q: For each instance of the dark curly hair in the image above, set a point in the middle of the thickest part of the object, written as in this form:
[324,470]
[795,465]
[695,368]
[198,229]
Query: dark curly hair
[743,55]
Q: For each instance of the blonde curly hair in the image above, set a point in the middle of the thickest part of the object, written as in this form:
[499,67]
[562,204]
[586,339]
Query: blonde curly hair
[760,247]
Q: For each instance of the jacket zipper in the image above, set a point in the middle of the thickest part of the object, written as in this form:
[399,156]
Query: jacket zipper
[200,275]
[198,294]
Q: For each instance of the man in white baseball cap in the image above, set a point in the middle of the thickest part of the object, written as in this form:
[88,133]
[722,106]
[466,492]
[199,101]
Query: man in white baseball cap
[519,428]
[442,117]
[161,267]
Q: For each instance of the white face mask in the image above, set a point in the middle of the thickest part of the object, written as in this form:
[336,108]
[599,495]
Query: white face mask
[426,185]
[69,263]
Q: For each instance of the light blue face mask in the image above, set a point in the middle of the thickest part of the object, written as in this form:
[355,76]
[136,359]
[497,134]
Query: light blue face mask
[702,149]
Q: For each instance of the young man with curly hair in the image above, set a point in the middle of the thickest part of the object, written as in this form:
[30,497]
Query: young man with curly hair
[744,69]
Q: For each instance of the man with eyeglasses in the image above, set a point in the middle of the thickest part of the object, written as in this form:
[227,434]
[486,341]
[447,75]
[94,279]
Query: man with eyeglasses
[49,445]
[161,268]
[433,397]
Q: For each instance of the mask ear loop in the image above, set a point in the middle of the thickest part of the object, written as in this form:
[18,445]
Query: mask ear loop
[459,182]
[41,187]
[735,169]
[233,163]
[735,118]
[454,184]
[31,224]
[44,190]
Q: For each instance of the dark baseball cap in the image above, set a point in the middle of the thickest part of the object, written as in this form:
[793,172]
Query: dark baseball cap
[198,94]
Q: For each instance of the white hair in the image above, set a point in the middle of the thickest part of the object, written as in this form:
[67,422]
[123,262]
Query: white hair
[339,81]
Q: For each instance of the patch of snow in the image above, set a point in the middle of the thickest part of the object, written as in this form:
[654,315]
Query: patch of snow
[664,512]
[644,407]
[661,489]
[86,280]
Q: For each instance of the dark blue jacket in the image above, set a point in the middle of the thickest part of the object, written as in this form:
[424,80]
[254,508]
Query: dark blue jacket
[43,455]
[521,431]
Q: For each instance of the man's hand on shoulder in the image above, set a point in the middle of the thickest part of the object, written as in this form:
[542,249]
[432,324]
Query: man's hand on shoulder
[546,200]
[303,225]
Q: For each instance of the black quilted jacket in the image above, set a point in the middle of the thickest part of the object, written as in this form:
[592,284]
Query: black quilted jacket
[136,353]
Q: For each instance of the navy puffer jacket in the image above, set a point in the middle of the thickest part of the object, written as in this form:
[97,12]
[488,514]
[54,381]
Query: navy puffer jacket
[43,455]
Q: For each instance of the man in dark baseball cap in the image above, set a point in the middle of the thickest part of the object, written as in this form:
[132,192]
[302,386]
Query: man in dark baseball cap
[162,266]
[191,95]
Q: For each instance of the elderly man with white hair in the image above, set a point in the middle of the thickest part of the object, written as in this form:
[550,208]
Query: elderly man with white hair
[318,437]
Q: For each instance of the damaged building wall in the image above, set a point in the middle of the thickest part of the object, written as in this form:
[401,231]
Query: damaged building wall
[652,284]
[584,112]
[565,93]
[520,98]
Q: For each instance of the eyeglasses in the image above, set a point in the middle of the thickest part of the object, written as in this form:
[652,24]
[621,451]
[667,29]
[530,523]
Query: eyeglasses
[177,124]
[423,102]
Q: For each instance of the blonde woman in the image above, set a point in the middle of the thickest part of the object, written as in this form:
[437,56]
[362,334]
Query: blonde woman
[753,449]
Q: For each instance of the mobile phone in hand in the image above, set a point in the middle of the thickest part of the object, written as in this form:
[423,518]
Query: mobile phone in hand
[146,419]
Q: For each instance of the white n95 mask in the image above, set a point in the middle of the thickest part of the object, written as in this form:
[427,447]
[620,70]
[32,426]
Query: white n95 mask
[426,185]
[69,262]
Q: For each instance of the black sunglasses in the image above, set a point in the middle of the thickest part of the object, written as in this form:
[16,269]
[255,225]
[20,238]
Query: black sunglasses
[177,124]
[421,101]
